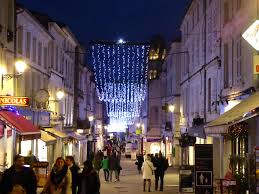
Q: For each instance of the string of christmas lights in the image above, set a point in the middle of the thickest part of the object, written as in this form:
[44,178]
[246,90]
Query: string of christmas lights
[121,79]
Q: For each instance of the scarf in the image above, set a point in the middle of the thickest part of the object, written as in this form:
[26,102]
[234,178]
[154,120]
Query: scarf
[57,176]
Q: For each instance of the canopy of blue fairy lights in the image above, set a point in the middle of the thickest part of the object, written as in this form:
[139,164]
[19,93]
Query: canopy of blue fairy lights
[120,70]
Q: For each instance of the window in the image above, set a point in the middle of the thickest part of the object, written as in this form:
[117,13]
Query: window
[226,12]
[28,45]
[56,58]
[239,58]
[45,57]
[209,95]
[20,39]
[40,53]
[239,4]
[34,49]
[226,68]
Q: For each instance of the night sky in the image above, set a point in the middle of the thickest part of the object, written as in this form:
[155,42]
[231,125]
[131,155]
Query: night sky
[132,20]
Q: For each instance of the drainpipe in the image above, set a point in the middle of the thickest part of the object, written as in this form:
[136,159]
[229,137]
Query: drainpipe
[204,50]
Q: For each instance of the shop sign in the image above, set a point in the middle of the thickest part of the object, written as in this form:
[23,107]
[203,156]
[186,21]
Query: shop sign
[44,118]
[256,64]
[14,101]
[204,168]
[251,35]
[40,164]
[186,179]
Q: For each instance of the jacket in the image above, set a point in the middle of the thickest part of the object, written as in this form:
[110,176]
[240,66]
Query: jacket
[26,178]
[65,188]
[89,183]
[147,169]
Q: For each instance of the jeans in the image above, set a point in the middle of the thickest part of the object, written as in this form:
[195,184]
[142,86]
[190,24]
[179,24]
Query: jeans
[161,177]
[106,174]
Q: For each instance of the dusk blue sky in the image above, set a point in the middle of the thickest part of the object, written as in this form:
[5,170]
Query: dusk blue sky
[133,20]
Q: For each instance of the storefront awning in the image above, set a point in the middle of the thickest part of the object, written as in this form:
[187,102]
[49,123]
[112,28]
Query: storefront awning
[23,126]
[76,136]
[243,111]
[197,131]
[48,139]
[55,132]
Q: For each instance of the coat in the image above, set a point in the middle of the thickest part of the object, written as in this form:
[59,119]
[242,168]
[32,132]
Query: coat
[50,188]
[89,183]
[147,169]
[26,178]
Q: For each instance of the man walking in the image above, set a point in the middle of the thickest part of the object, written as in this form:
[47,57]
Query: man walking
[70,162]
[161,165]
[20,175]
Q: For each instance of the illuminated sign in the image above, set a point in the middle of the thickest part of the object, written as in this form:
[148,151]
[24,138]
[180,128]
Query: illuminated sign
[251,35]
[256,64]
[14,101]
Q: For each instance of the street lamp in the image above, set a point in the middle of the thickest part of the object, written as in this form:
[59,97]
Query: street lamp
[20,66]
[60,94]
[91,118]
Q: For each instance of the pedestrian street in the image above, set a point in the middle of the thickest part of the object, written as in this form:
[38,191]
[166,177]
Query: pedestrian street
[131,182]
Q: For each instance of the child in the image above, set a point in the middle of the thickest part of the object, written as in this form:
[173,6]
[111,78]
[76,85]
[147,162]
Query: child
[105,167]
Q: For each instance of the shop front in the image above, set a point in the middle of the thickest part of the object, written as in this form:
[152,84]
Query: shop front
[16,132]
[235,135]
[76,147]
[61,143]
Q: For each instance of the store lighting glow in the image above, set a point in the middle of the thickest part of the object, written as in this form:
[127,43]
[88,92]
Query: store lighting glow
[121,78]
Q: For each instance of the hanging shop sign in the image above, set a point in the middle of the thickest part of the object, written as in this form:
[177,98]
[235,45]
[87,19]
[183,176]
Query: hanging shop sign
[14,101]
[204,168]
[251,35]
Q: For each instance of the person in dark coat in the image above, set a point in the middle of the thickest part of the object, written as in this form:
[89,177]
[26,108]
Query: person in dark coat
[161,165]
[18,174]
[113,166]
[89,180]
[139,162]
[70,162]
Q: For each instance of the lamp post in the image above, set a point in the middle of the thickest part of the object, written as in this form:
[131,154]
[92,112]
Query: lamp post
[20,66]
[90,138]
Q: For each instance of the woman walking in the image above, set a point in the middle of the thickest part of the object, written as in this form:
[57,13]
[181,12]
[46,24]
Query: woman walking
[89,182]
[60,180]
[147,169]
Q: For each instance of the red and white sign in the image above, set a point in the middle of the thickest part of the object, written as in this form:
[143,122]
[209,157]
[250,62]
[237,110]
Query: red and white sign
[14,101]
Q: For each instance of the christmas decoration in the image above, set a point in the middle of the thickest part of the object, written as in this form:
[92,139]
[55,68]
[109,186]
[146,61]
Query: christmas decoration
[121,78]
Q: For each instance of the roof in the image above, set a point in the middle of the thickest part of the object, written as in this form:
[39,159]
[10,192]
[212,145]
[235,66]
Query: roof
[48,139]
[55,132]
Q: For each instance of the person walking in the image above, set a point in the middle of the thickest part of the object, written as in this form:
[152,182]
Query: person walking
[147,169]
[161,165]
[97,162]
[105,167]
[20,175]
[60,179]
[70,162]
[89,181]
[139,162]
[112,162]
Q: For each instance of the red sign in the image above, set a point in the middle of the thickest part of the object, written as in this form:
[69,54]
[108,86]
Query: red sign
[14,101]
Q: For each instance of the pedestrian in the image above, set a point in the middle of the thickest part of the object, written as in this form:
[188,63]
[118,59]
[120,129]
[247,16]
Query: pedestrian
[105,167]
[97,161]
[20,175]
[139,162]
[147,169]
[113,166]
[89,182]
[60,179]
[161,165]
[70,162]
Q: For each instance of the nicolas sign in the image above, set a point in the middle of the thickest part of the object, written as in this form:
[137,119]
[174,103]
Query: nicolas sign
[14,101]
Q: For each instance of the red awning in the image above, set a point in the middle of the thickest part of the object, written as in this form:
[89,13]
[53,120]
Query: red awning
[21,124]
